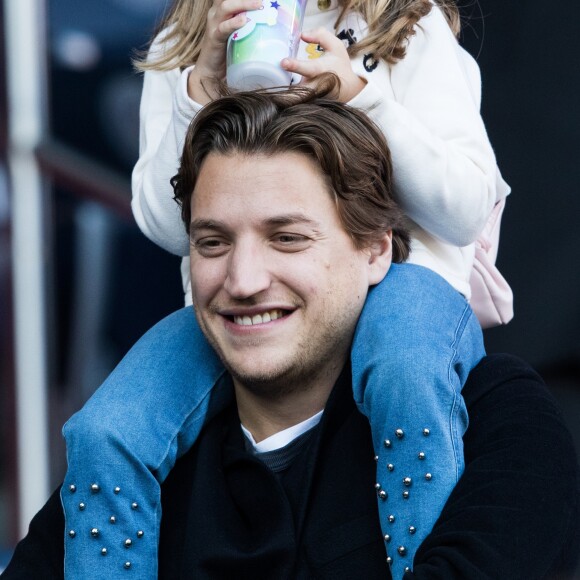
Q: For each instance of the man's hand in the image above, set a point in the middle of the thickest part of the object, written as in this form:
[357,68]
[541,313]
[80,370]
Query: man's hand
[335,60]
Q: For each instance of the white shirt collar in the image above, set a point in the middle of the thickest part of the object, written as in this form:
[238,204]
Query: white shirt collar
[282,438]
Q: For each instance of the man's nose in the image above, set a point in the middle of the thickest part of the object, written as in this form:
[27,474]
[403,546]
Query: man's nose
[248,272]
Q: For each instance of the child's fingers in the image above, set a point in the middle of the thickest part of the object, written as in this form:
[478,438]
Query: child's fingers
[225,10]
[334,57]
[325,39]
[227,27]
[228,8]
[305,68]
[223,19]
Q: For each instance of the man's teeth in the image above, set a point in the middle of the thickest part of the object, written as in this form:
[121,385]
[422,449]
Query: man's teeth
[259,318]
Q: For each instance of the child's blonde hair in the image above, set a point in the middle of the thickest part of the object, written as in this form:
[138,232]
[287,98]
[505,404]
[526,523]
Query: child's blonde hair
[391,23]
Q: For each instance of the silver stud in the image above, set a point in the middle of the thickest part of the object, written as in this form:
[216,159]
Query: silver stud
[128,543]
[421,455]
[82,506]
[412,529]
[407,569]
[140,534]
[383,494]
[387,538]
[72,487]
[407,481]
[399,433]
[72,534]
[389,560]
[391,519]
[134,505]
[95,488]
[127,565]
[428,477]
[104,552]
[113,519]
[377,486]
[402,550]
[117,490]
[406,494]
[376,458]
[390,466]
[388,443]
[95,533]
[426,432]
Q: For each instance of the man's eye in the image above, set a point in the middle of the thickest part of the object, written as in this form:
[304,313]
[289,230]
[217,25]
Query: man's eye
[210,243]
[289,238]
[210,246]
[291,242]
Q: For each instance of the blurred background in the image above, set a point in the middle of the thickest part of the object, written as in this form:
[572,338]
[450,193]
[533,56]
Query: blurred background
[79,283]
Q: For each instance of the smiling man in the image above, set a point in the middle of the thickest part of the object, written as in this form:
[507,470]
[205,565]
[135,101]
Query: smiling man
[287,200]
[285,243]
[278,282]
[283,252]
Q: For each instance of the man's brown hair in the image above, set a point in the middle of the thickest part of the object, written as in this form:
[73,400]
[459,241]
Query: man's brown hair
[349,149]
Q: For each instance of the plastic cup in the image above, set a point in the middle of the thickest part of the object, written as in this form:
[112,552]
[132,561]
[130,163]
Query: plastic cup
[254,51]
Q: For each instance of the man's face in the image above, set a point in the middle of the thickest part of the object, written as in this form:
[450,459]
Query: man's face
[277,282]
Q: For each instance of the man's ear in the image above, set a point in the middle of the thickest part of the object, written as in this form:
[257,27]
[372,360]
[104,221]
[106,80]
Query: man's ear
[380,255]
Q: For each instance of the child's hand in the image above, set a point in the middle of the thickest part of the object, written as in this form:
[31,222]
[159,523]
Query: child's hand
[223,18]
[335,59]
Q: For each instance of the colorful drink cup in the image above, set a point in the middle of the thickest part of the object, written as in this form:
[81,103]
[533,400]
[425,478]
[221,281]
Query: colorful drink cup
[254,51]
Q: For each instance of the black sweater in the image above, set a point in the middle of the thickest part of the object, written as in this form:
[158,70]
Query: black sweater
[514,514]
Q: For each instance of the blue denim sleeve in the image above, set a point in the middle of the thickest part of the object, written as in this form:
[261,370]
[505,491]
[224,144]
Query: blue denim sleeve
[415,343]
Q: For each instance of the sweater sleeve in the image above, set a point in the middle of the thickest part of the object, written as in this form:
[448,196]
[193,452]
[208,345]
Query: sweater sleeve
[41,553]
[515,511]
[165,114]
[445,172]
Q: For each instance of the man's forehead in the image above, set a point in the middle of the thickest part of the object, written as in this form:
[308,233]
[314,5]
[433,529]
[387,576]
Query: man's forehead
[282,189]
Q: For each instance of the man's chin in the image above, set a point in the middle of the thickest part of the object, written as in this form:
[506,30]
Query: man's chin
[271,385]
[271,382]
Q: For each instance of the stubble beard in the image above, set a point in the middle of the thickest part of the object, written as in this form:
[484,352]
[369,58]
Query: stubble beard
[310,364]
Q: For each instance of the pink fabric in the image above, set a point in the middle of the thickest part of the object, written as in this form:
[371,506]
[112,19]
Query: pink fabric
[491,296]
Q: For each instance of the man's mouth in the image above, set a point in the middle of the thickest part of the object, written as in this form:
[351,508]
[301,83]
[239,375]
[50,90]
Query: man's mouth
[262,318]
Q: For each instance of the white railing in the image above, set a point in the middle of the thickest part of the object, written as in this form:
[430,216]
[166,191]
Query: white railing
[26,54]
